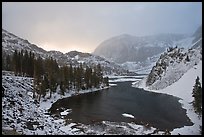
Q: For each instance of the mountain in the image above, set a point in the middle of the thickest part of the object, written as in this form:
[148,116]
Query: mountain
[174,63]
[11,42]
[129,48]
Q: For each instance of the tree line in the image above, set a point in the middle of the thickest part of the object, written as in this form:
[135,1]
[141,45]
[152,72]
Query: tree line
[48,75]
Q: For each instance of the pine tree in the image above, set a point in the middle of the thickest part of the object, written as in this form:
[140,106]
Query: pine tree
[8,63]
[3,60]
[99,74]
[15,62]
[197,94]
[26,63]
[21,62]
[86,77]
[71,76]
[31,64]
[187,58]
[106,81]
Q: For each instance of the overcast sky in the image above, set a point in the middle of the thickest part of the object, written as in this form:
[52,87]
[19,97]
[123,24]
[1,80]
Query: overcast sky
[83,26]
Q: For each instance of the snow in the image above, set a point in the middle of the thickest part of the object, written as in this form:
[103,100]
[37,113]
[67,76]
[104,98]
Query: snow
[182,89]
[68,129]
[128,115]
[76,57]
[184,43]
[143,67]
[45,105]
[112,84]
[141,130]
[175,67]
[123,80]
[21,110]
[122,128]
[59,126]
[64,113]
[112,76]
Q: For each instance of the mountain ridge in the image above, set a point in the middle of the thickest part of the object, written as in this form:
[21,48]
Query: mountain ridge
[11,42]
[126,47]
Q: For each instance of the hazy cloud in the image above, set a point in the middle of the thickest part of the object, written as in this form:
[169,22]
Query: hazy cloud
[83,26]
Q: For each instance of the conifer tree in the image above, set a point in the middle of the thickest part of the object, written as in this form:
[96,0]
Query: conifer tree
[15,62]
[197,94]
[8,63]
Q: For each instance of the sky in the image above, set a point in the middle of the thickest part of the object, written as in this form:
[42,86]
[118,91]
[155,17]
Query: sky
[82,26]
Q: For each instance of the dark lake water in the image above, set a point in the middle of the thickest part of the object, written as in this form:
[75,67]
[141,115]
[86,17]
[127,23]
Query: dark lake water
[158,110]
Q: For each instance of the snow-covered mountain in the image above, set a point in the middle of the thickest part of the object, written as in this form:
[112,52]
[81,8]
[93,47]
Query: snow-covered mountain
[143,67]
[129,48]
[171,66]
[174,63]
[10,43]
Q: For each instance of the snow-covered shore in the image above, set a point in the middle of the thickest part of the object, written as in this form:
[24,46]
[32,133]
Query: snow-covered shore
[22,114]
[182,89]
[45,105]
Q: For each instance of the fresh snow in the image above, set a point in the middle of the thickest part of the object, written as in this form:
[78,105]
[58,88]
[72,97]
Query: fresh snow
[68,129]
[64,113]
[128,115]
[112,84]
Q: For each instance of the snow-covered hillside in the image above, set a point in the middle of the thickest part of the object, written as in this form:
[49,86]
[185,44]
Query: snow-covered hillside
[141,67]
[171,66]
[25,115]
[20,112]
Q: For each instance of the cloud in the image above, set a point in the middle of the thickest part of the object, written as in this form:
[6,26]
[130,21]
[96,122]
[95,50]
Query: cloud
[83,26]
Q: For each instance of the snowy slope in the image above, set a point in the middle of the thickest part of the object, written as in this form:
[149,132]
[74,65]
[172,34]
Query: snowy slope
[21,112]
[26,115]
[11,42]
[143,67]
[171,66]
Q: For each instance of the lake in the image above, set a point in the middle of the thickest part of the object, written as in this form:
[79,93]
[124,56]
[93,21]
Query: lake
[158,110]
